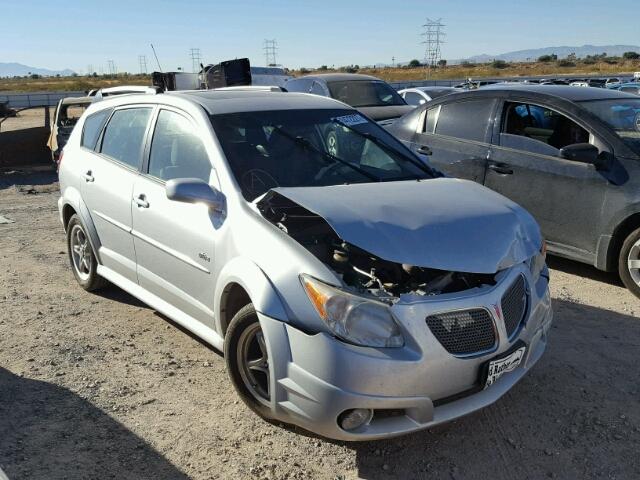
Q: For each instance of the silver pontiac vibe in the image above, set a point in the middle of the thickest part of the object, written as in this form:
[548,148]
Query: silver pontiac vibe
[354,290]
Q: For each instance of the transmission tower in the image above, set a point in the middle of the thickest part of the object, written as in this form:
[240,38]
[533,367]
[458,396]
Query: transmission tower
[270,47]
[142,60]
[112,67]
[196,59]
[433,35]
[89,70]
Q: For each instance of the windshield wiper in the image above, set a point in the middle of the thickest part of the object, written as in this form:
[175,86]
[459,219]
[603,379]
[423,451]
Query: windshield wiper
[303,142]
[390,149]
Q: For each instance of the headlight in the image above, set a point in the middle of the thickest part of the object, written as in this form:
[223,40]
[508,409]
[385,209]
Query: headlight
[538,262]
[357,320]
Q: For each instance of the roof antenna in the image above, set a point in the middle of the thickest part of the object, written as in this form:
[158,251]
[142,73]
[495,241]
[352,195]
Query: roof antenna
[157,61]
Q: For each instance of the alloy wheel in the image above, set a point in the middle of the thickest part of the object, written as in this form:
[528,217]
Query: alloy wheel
[81,252]
[253,360]
[633,262]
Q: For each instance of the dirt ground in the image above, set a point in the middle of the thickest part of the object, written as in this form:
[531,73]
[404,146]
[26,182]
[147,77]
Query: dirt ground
[98,386]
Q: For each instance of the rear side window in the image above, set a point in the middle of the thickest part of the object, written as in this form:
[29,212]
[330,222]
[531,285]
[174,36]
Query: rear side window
[413,98]
[124,135]
[467,120]
[92,127]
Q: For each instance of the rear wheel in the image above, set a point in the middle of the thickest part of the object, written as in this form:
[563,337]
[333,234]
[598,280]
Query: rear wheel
[247,359]
[81,256]
[629,262]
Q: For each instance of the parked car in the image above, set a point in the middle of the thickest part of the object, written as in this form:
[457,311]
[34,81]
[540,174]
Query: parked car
[420,95]
[374,97]
[627,87]
[68,111]
[342,305]
[571,156]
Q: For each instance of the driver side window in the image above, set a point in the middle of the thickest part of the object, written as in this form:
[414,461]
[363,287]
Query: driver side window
[176,151]
[538,129]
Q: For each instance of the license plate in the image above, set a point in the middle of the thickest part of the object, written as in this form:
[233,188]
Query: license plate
[499,366]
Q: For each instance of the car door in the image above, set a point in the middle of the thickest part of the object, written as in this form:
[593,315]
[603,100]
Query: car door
[109,173]
[175,241]
[454,137]
[564,196]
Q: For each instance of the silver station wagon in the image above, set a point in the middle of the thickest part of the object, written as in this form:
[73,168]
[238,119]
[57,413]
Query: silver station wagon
[354,291]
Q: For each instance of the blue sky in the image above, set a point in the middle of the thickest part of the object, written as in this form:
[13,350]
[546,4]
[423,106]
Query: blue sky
[76,33]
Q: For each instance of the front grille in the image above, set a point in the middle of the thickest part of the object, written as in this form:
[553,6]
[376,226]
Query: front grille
[514,305]
[464,332]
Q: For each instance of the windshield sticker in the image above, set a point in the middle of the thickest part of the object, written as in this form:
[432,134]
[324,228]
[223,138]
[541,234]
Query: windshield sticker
[637,122]
[351,120]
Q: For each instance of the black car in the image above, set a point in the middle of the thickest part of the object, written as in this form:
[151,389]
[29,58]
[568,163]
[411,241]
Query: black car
[570,155]
[374,97]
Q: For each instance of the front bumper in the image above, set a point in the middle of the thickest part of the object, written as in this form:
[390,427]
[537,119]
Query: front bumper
[314,378]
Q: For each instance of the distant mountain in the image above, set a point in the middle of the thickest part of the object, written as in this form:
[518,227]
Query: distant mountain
[19,70]
[561,52]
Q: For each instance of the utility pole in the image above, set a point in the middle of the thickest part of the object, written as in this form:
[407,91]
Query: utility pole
[393,62]
[196,59]
[270,48]
[433,39]
[142,60]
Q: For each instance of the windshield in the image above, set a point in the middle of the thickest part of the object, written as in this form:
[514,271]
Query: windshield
[623,115]
[301,148]
[365,93]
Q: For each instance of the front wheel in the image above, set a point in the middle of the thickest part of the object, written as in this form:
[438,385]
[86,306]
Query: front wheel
[247,360]
[629,262]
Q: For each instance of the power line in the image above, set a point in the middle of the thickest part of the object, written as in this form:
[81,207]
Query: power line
[433,39]
[196,59]
[142,60]
[270,48]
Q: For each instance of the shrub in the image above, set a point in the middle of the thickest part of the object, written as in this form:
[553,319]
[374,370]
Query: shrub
[631,55]
[323,67]
[442,63]
[414,63]
[566,63]
[499,64]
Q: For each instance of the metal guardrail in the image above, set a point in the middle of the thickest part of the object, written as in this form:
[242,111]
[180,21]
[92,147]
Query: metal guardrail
[36,99]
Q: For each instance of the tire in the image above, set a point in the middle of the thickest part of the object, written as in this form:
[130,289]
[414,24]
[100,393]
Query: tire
[238,345]
[81,257]
[630,272]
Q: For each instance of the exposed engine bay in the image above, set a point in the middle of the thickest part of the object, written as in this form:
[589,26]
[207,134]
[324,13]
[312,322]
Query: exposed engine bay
[359,269]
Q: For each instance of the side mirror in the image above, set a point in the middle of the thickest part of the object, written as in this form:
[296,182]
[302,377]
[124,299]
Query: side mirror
[194,190]
[580,152]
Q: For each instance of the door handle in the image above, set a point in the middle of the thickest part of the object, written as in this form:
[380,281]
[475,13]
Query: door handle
[88,177]
[501,168]
[141,201]
[424,150]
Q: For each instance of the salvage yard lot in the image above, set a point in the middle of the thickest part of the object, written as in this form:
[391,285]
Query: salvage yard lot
[101,386]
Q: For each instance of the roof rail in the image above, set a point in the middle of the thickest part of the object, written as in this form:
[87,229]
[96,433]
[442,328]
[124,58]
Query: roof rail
[252,88]
[125,90]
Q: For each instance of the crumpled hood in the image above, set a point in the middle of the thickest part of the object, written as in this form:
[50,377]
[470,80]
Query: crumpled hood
[385,112]
[441,223]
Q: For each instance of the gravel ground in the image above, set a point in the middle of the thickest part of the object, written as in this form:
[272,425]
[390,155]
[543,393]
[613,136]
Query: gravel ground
[101,386]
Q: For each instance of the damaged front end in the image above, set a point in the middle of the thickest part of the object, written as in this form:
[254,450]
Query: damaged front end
[361,271]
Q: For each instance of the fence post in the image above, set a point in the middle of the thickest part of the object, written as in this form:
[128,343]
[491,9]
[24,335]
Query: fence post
[47,118]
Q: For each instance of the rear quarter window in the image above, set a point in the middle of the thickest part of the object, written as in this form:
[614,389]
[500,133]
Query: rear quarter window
[92,128]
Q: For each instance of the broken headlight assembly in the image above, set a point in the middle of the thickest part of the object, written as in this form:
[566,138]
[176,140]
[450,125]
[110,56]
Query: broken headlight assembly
[355,319]
[538,262]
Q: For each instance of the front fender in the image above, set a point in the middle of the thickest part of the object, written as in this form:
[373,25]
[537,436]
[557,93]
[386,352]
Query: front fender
[249,276]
